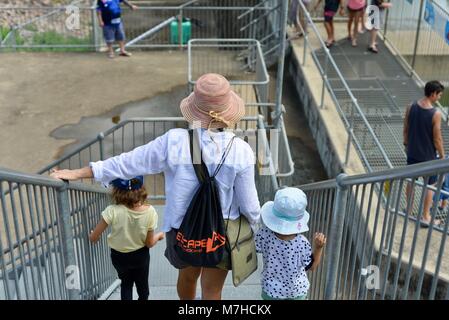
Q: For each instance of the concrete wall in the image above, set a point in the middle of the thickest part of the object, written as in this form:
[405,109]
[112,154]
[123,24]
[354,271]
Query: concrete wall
[317,126]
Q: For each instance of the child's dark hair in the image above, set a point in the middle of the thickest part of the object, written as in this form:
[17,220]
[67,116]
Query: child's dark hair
[433,87]
[129,198]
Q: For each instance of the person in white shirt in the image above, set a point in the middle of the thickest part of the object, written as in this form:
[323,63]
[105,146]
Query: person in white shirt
[212,105]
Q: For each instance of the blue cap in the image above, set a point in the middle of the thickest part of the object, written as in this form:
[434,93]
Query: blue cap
[131,184]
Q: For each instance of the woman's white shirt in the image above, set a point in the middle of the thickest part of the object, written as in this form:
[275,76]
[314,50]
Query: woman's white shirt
[170,154]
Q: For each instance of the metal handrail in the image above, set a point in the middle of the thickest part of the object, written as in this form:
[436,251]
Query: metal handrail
[323,73]
[216,43]
[408,66]
[421,169]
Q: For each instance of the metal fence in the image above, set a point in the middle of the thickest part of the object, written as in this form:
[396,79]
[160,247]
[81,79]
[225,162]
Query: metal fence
[417,31]
[44,226]
[151,26]
[134,132]
[45,254]
[55,28]
[360,132]
[378,249]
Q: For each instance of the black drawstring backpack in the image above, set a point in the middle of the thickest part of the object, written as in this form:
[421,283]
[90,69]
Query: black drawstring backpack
[201,238]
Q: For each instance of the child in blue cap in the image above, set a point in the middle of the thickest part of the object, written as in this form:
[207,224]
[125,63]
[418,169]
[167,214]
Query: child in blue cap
[133,224]
[287,254]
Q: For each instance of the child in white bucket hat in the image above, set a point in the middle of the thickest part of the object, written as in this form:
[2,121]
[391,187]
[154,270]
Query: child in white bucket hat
[287,254]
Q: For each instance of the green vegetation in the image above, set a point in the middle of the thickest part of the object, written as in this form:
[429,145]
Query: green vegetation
[3,32]
[31,27]
[47,38]
[53,38]
[445,99]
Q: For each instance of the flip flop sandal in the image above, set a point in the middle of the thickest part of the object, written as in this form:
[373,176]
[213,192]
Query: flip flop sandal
[329,44]
[425,224]
[125,54]
[111,56]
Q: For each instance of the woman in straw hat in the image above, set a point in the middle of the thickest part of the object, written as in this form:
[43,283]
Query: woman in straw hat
[212,105]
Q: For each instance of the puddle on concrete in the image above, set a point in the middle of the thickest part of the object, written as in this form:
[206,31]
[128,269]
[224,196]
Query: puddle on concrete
[165,104]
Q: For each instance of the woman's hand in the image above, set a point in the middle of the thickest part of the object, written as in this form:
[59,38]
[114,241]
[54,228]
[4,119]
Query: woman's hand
[76,174]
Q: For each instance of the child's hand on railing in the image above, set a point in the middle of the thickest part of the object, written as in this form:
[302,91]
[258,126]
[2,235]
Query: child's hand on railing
[319,240]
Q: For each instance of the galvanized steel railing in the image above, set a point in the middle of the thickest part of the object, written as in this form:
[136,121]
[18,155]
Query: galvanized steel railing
[44,247]
[414,30]
[377,248]
[45,223]
[134,132]
[46,27]
[351,107]
[420,45]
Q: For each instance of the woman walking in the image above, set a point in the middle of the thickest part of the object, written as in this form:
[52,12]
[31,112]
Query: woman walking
[212,105]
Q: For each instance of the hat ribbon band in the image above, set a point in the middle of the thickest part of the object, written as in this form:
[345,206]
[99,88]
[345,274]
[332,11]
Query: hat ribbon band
[280,215]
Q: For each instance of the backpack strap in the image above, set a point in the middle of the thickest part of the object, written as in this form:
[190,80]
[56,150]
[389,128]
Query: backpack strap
[223,157]
[195,150]
[201,170]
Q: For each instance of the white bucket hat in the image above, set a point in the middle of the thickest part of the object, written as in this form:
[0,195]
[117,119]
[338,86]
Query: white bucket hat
[287,214]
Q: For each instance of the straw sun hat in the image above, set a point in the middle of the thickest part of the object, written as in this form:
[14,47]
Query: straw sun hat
[213,103]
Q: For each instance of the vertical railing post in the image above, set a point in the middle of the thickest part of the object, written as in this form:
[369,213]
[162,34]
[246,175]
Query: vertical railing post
[415,50]
[180,29]
[350,133]
[14,39]
[335,239]
[67,239]
[387,14]
[101,142]
[94,27]
[281,60]
[326,66]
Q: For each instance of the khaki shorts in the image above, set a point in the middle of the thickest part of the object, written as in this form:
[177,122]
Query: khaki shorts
[175,261]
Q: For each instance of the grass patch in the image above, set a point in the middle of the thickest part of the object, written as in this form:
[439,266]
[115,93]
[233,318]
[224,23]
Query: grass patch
[3,32]
[52,38]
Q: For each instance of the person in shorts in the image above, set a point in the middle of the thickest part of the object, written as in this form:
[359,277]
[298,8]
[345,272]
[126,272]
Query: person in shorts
[109,17]
[330,9]
[382,5]
[356,9]
[423,140]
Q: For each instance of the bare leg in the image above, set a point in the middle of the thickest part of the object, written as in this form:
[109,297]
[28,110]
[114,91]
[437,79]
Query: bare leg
[110,50]
[355,31]
[410,196]
[186,285]
[122,46]
[427,205]
[350,20]
[212,281]
[373,38]
[329,31]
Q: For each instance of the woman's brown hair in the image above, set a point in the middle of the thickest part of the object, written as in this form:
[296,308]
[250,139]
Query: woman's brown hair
[129,198]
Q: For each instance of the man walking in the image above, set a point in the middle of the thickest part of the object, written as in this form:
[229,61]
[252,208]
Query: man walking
[422,139]
[109,18]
